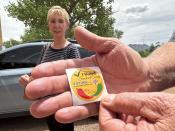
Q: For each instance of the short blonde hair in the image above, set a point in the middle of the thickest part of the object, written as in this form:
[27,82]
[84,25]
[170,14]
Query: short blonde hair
[61,11]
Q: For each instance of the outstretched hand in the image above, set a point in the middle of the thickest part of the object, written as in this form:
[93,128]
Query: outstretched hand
[123,70]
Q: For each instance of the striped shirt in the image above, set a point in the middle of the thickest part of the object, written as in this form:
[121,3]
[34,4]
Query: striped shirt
[51,54]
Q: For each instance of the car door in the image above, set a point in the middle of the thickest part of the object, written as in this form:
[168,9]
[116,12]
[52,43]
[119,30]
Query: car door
[13,64]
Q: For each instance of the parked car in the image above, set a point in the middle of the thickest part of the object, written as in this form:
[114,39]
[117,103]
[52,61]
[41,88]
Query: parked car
[14,62]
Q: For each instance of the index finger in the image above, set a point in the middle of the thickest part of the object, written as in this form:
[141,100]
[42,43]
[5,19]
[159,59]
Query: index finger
[58,67]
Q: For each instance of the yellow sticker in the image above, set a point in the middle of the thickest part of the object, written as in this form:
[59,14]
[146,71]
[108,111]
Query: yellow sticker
[87,84]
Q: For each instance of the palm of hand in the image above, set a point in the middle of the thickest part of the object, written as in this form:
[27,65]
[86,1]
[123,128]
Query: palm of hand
[123,69]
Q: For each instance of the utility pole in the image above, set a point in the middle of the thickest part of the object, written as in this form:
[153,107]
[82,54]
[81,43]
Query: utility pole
[0,35]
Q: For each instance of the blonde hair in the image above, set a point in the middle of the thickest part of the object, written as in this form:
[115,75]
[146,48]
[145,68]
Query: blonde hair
[61,11]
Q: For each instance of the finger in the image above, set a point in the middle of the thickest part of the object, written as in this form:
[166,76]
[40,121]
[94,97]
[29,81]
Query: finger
[23,80]
[108,122]
[127,103]
[59,67]
[26,77]
[31,78]
[46,86]
[93,42]
[48,106]
[127,118]
[131,119]
[146,105]
[77,113]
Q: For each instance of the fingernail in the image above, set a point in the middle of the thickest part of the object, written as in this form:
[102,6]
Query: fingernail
[108,99]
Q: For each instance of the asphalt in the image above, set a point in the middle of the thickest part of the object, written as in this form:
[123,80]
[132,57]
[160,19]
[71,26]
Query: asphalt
[29,123]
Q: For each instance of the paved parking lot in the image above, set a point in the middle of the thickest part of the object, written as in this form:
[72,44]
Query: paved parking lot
[30,124]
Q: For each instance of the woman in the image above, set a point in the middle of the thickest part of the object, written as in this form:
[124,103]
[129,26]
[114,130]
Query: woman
[60,48]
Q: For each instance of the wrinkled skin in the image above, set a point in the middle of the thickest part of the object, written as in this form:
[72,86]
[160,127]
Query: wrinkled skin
[123,70]
[152,111]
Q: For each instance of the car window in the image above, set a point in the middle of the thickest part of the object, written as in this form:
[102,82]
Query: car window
[84,52]
[20,58]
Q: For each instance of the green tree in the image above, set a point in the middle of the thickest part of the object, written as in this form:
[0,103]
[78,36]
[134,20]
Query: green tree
[154,46]
[95,15]
[146,52]
[118,33]
[11,43]
[34,34]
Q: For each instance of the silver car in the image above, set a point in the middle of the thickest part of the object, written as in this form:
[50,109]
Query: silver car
[14,62]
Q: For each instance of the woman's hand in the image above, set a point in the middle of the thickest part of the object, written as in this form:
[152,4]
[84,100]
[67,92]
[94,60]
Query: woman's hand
[24,80]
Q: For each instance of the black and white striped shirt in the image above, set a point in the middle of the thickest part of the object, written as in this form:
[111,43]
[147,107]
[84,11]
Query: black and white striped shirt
[51,54]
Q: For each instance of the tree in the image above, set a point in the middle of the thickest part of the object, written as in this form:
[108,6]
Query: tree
[154,46]
[118,33]
[146,52]
[11,43]
[95,15]
[34,34]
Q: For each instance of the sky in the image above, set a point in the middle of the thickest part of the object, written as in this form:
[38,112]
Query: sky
[142,21]
[11,27]
[145,21]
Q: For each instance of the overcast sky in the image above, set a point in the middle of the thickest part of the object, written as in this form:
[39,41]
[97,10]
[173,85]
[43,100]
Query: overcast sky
[142,21]
[145,21]
[11,28]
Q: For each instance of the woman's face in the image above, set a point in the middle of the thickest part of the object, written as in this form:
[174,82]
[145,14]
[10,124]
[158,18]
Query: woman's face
[57,25]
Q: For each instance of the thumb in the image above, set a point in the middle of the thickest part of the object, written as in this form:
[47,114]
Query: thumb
[94,42]
[127,103]
[107,118]
[145,105]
